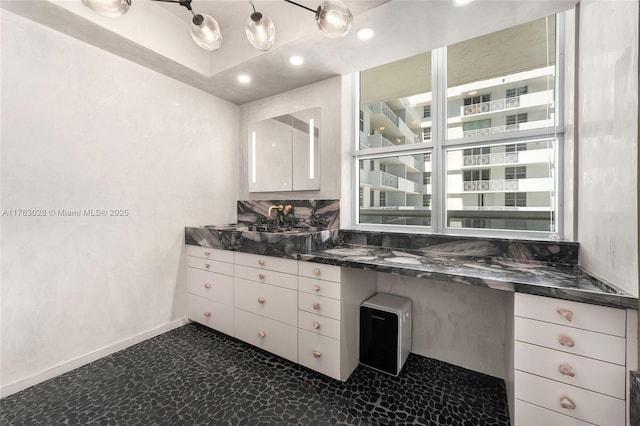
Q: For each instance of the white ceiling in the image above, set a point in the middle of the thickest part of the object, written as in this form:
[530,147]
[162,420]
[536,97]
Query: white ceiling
[156,35]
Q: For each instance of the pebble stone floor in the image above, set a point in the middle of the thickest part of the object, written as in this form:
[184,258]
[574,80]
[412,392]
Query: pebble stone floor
[196,376]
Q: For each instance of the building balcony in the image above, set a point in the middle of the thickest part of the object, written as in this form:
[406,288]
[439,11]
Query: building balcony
[390,124]
[374,141]
[503,185]
[387,182]
[536,156]
[528,101]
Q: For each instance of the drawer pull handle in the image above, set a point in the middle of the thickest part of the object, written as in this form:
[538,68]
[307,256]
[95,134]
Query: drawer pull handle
[566,340]
[261,276]
[261,300]
[567,403]
[206,265]
[207,253]
[207,314]
[316,325]
[316,287]
[566,314]
[316,306]
[567,370]
[316,271]
[207,285]
[316,354]
[261,333]
[261,262]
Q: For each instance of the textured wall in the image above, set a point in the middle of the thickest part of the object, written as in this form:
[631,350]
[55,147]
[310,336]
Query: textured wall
[84,129]
[458,324]
[608,141]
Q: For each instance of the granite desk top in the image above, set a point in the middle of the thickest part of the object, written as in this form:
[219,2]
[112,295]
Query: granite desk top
[534,267]
[563,281]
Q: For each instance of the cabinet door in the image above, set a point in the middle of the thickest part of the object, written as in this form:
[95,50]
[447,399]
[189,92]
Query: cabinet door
[272,336]
[269,301]
[210,285]
[211,313]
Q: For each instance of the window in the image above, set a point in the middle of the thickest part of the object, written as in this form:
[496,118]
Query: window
[515,199]
[516,118]
[519,172]
[469,172]
[512,93]
[372,198]
[361,196]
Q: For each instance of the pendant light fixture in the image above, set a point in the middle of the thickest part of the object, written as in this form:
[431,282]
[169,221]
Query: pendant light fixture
[260,30]
[109,8]
[205,30]
[333,17]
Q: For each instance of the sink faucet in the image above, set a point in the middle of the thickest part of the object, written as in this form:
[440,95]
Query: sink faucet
[284,213]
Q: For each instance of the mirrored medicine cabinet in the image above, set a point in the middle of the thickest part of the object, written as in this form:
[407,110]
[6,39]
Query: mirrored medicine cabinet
[283,152]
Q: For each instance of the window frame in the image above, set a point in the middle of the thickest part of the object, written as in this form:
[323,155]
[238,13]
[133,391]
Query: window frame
[439,143]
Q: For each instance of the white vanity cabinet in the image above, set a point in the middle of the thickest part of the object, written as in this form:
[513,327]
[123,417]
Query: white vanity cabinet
[266,299]
[329,298]
[570,362]
[210,287]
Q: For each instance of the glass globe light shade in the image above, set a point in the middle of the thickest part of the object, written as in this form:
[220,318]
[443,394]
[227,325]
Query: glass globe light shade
[205,31]
[260,31]
[334,18]
[109,8]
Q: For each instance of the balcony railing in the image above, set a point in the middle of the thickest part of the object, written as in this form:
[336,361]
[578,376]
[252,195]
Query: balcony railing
[491,130]
[389,180]
[488,159]
[490,185]
[495,105]
[388,112]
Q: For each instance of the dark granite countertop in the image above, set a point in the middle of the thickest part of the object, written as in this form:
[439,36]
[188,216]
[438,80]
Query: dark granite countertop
[564,281]
[544,268]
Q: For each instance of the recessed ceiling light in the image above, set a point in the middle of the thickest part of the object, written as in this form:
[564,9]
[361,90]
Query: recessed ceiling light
[243,78]
[473,92]
[461,2]
[365,34]
[296,60]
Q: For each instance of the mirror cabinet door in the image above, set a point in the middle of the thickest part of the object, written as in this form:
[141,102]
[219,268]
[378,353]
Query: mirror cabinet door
[270,155]
[305,143]
[284,152]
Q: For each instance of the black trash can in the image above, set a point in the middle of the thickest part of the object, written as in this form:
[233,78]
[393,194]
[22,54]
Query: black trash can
[385,332]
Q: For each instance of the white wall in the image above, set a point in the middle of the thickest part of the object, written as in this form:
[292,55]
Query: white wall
[326,95]
[456,323]
[608,141]
[84,129]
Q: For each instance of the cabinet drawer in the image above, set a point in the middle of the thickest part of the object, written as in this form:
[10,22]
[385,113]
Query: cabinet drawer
[319,353]
[210,285]
[267,276]
[589,406]
[319,325]
[321,288]
[288,266]
[530,415]
[586,343]
[273,302]
[588,373]
[319,271]
[209,253]
[211,313]
[210,265]
[583,315]
[319,305]
[272,336]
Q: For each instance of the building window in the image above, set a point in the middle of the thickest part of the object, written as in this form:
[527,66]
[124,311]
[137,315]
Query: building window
[476,175]
[512,93]
[515,199]
[426,134]
[516,147]
[361,121]
[516,118]
[458,174]
[361,196]
[372,197]
[519,172]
